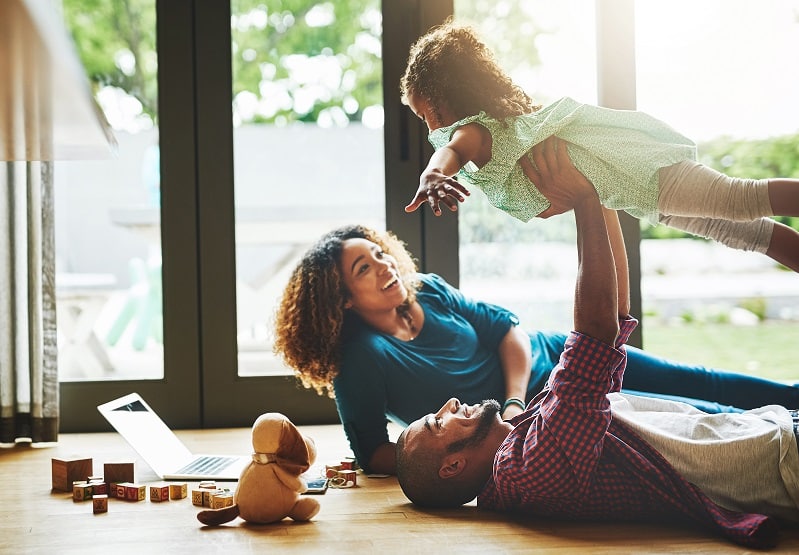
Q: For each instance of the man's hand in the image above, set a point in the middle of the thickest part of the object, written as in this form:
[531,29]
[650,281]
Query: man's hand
[436,188]
[556,177]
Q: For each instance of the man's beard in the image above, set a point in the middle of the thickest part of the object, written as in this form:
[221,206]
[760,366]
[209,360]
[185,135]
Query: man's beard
[490,408]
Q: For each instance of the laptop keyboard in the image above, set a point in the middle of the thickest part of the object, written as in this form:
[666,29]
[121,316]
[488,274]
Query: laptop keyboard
[206,465]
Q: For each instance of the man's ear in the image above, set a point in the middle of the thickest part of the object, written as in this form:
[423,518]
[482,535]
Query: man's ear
[452,466]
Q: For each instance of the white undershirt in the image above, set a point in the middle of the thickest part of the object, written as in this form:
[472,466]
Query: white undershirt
[742,461]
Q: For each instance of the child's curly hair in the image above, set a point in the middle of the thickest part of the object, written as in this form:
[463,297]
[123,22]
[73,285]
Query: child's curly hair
[311,320]
[450,66]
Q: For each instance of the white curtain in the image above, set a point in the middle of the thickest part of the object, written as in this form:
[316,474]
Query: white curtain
[29,400]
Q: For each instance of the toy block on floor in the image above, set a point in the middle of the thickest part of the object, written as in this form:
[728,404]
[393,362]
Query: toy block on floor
[117,472]
[67,471]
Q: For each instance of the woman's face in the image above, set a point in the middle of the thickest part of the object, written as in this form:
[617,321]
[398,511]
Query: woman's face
[371,277]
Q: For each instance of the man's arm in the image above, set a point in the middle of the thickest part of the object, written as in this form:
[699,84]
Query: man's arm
[596,292]
[596,301]
[620,258]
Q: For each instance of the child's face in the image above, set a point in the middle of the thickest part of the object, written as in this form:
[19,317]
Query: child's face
[424,111]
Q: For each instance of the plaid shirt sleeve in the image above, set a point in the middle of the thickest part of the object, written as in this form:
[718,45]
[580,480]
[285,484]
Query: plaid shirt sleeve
[554,463]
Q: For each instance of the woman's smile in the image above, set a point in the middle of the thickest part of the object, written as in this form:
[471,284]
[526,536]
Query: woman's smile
[393,283]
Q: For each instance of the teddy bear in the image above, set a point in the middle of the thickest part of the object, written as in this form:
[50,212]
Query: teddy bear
[270,486]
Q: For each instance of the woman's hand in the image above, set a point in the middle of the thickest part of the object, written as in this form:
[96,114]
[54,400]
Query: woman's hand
[556,177]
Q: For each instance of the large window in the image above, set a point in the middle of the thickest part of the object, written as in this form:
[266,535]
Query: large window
[308,146]
[549,49]
[275,123]
[722,73]
[165,266]
[108,239]
[726,74]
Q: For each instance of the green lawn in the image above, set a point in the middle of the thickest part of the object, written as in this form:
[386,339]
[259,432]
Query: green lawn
[769,350]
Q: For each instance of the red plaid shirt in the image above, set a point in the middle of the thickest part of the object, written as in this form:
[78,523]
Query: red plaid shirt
[566,457]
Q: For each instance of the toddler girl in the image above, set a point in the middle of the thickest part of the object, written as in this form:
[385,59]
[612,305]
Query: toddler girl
[483,126]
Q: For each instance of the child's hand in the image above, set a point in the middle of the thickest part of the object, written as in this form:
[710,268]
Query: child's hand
[435,188]
[555,177]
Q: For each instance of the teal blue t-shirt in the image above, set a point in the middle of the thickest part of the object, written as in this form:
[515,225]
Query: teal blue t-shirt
[454,355]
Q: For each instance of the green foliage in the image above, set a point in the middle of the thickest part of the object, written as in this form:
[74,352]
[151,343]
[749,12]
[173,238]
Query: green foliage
[508,28]
[755,305]
[312,61]
[116,44]
[295,60]
[749,349]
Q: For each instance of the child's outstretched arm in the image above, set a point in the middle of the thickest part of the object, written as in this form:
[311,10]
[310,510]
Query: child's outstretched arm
[437,183]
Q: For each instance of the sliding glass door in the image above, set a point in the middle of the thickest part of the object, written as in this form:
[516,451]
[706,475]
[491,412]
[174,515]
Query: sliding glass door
[728,77]
[263,128]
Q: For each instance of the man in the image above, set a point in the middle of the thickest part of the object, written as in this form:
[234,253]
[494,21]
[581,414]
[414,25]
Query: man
[566,456]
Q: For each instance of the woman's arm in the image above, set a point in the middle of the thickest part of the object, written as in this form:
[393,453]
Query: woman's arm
[516,358]
[384,459]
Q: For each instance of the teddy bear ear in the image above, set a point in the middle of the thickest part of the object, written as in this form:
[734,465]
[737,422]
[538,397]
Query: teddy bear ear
[293,452]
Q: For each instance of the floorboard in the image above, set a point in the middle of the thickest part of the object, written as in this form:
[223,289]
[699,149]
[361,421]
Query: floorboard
[373,517]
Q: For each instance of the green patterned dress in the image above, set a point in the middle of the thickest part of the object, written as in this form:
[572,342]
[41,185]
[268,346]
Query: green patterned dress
[619,151]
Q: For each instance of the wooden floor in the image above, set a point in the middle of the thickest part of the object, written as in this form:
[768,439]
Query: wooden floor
[371,518]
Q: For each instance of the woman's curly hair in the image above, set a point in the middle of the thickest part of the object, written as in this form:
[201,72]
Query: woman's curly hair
[311,320]
[450,66]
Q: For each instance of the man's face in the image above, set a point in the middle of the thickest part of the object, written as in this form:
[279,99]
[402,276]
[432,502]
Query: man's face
[455,427]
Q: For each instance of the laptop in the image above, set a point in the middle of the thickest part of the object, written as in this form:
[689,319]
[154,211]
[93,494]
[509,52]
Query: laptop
[160,448]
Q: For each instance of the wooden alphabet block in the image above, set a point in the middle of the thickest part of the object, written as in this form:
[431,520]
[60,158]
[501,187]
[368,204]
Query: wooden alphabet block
[221,500]
[100,504]
[114,472]
[159,492]
[81,491]
[135,492]
[350,477]
[67,471]
[197,497]
[120,490]
[99,487]
[208,495]
[178,491]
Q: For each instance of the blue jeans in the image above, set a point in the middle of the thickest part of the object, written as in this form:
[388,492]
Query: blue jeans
[708,389]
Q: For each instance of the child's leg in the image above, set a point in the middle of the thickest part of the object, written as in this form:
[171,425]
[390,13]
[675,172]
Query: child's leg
[702,201]
[692,189]
[784,196]
[784,246]
[744,236]
[763,235]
